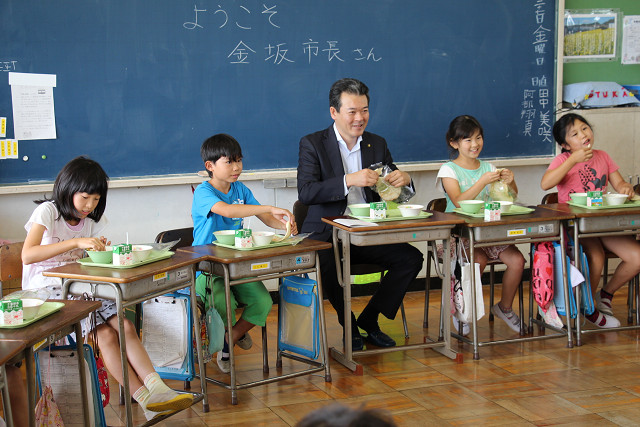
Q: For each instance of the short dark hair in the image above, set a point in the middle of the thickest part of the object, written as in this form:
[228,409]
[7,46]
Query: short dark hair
[460,128]
[561,126]
[220,145]
[337,415]
[80,175]
[348,85]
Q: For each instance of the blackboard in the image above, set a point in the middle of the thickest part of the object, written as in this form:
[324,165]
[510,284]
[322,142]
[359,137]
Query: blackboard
[140,84]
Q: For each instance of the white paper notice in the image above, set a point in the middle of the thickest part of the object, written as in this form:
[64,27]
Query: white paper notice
[33,111]
[631,40]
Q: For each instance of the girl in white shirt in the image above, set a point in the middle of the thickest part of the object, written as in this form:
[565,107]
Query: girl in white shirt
[58,232]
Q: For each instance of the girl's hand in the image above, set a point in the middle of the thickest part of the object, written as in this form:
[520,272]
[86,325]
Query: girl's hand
[506,176]
[582,155]
[105,241]
[625,188]
[93,243]
[489,177]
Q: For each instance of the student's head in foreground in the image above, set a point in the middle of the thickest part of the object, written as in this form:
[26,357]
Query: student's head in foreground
[342,416]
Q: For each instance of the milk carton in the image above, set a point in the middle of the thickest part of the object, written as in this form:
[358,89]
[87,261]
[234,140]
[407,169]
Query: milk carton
[594,198]
[377,210]
[243,238]
[11,312]
[122,254]
[492,211]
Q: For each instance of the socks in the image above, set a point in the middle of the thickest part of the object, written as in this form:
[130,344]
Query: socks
[605,294]
[225,350]
[593,317]
[142,396]
[368,319]
[155,385]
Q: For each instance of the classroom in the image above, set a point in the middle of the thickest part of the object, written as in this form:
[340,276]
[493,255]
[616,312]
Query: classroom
[148,82]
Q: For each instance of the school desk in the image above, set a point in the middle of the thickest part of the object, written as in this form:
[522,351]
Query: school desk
[615,221]
[243,266]
[436,227]
[50,329]
[130,286]
[541,225]
[8,350]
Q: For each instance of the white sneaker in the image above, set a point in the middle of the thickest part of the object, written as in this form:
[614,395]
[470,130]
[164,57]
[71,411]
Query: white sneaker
[224,365]
[465,327]
[149,415]
[603,304]
[511,318]
[245,342]
[605,321]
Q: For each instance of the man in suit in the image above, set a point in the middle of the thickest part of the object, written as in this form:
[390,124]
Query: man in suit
[333,171]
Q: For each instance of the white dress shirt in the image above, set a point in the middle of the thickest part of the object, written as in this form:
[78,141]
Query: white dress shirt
[352,162]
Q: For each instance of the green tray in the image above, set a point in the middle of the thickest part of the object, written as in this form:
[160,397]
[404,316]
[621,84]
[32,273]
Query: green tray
[291,241]
[46,309]
[394,215]
[629,204]
[155,256]
[515,210]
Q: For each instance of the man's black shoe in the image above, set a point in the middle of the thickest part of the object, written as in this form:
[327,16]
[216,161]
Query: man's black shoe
[380,339]
[357,344]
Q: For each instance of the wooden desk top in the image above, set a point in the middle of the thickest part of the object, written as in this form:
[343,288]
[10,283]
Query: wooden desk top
[578,212]
[229,256]
[122,275]
[10,349]
[72,312]
[539,214]
[437,219]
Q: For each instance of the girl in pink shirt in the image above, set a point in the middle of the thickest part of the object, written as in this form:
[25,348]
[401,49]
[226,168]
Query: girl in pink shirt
[578,169]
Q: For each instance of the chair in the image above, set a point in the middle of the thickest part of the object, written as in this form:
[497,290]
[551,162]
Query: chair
[440,205]
[10,267]
[300,213]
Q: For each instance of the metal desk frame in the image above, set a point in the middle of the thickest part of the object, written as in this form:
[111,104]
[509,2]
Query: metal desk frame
[238,267]
[436,227]
[129,291]
[597,223]
[510,231]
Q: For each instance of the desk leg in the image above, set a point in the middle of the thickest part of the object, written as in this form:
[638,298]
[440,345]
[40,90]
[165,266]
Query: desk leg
[446,307]
[323,325]
[123,357]
[83,375]
[227,296]
[567,305]
[565,283]
[196,332]
[474,309]
[31,385]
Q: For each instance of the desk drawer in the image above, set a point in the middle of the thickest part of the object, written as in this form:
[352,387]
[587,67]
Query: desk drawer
[609,223]
[371,238]
[147,286]
[496,233]
[259,267]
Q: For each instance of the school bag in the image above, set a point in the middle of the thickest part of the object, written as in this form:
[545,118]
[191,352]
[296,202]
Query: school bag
[542,284]
[574,278]
[298,317]
[59,366]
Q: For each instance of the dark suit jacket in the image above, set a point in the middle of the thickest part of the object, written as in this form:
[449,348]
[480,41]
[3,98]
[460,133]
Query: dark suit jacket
[321,176]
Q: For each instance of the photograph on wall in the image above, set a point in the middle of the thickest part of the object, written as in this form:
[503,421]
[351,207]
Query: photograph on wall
[590,36]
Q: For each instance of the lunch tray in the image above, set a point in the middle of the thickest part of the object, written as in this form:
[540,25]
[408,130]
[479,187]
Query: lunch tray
[292,241]
[155,256]
[629,204]
[46,309]
[515,210]
[393,215]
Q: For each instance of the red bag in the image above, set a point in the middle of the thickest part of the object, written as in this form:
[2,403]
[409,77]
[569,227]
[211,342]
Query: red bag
[542,281]
[103,379]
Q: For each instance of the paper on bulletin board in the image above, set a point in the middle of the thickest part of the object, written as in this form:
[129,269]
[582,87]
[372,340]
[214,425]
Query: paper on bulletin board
[3,127]
[33,109]
[631,40]
[8,149]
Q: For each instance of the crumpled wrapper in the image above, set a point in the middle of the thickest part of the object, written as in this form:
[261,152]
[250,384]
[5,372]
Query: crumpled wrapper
[388,192]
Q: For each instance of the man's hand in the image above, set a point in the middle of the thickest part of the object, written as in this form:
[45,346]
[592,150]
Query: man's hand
[398,178]
[362,178]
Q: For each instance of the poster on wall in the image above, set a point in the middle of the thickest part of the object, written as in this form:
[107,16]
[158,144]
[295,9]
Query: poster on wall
[590,35]
[631,39]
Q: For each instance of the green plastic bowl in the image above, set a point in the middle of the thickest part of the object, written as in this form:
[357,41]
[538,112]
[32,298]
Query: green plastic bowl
[579,198]
[101,257]
[471,206]
[360,209]
[226,237]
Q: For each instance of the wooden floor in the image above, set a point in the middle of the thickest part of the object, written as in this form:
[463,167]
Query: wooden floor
[537,383]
